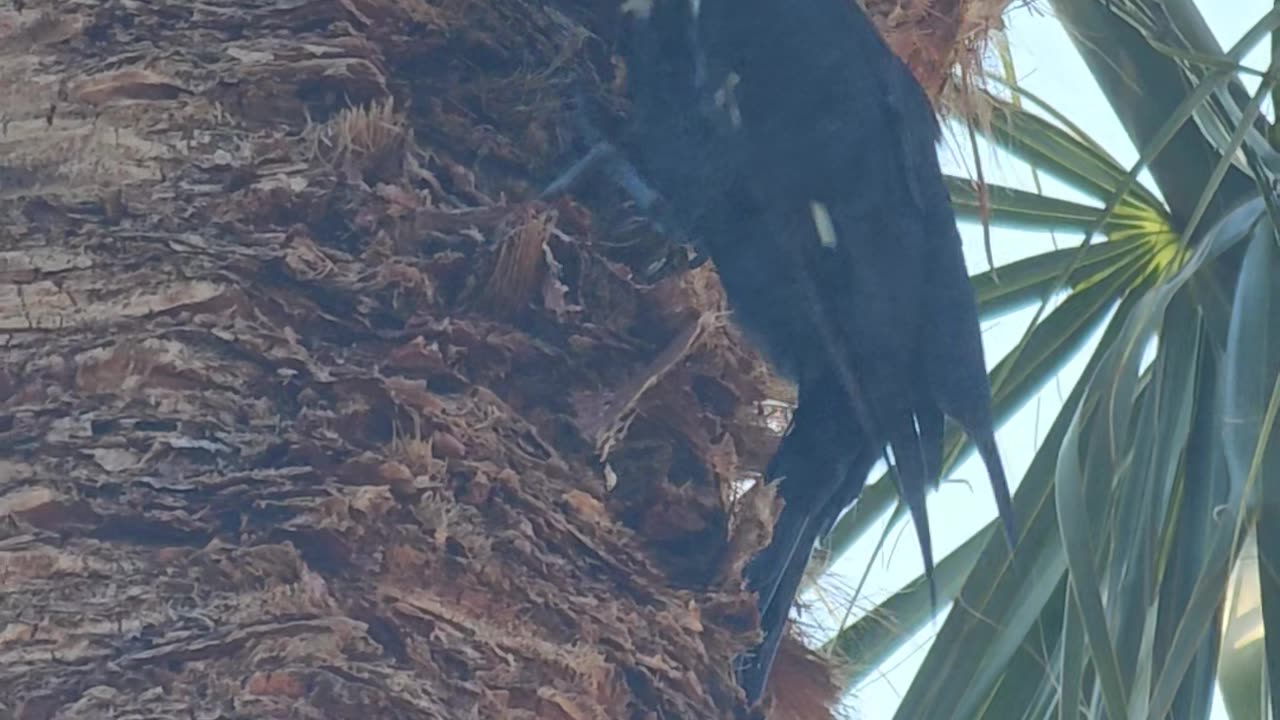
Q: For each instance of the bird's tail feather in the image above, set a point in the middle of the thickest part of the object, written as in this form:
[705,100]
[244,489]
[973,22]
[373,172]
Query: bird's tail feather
[986,444]
[913,460]
[821,467]
[783,578]
[975,418]
[764,572]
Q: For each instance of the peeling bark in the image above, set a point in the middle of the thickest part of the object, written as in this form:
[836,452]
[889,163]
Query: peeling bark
[306,411]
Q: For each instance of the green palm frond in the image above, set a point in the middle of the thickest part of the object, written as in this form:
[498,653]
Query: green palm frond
[1166,453]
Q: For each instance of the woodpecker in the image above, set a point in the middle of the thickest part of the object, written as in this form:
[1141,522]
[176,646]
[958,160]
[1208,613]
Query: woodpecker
[786,140]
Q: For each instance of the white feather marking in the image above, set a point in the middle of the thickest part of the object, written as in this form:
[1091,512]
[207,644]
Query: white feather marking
[727,101]
[822,222]
[642,9]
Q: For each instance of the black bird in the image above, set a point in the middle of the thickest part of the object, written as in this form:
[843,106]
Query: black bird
[787,140]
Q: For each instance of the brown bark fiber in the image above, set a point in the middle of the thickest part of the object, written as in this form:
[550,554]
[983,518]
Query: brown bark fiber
[303,402]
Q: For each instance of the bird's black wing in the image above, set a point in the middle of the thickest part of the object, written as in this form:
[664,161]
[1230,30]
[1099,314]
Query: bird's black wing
[842,141]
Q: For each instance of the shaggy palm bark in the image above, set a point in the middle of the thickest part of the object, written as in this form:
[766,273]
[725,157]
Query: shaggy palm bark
[305,411]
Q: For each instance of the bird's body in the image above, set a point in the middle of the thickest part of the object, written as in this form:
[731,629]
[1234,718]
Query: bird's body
[799,152]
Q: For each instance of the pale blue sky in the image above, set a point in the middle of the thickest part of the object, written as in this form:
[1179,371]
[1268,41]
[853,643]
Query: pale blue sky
[1047,65]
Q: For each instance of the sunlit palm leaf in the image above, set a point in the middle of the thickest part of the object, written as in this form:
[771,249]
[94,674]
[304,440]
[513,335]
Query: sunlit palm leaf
[1133,508]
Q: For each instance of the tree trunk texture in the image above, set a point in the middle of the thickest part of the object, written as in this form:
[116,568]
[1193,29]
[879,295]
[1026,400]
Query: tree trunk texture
[308,411]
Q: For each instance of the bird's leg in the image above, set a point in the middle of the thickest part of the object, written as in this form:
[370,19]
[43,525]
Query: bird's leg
[579,170]
[605,157]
